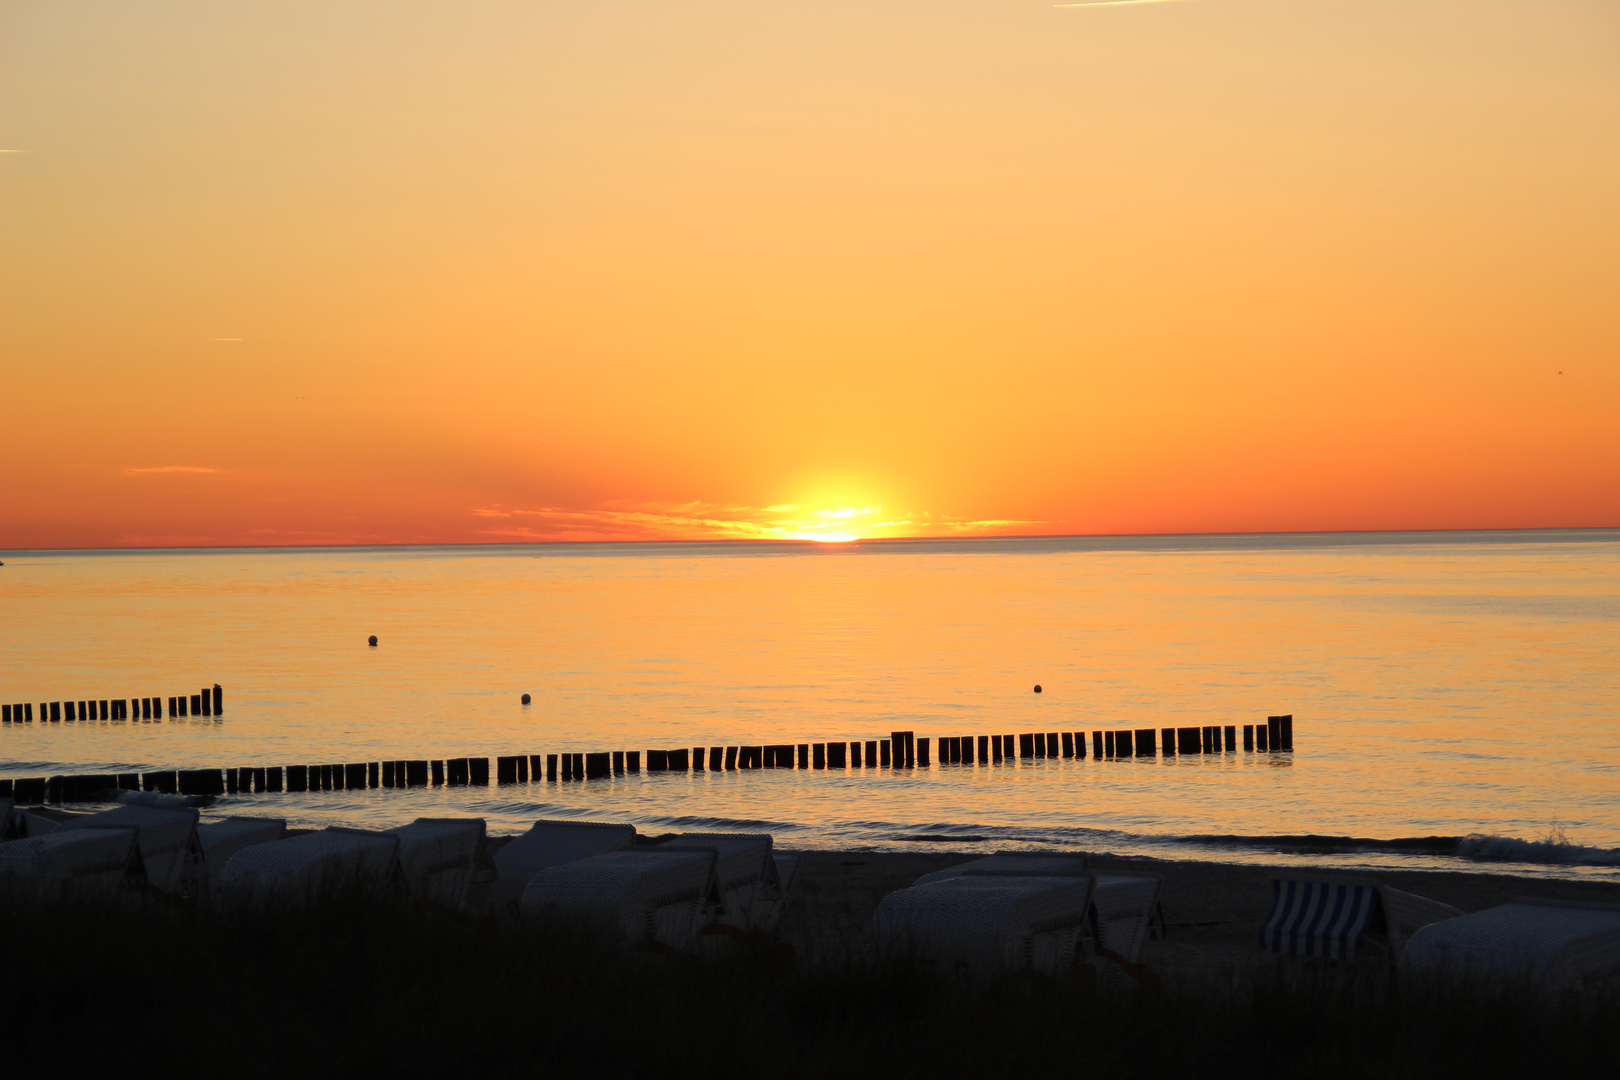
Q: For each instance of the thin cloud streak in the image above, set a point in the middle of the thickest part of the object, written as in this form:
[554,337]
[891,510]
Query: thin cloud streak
[711,521]
[1121,3]
[151,469]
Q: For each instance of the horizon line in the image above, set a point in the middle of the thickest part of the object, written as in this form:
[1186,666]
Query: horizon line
[817,544]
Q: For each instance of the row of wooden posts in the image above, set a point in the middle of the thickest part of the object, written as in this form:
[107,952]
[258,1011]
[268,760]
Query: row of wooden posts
[900,750]
[209,702]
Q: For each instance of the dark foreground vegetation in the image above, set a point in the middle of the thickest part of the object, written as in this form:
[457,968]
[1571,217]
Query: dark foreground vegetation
[359,990]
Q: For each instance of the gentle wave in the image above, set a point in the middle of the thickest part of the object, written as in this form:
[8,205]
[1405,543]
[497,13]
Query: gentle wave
[1483,848]
[1476,847]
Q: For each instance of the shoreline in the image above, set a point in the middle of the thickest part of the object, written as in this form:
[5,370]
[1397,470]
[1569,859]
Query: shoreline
[1213,911]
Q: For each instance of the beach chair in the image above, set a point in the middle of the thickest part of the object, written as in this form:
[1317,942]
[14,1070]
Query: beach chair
[9,821]
[642,895]
[222,839]
[1123,906]
[1547,944]
[768,908]
[1341,917]
[751,886]
[162,801]
[168,841]
[547,844]
[300,869]
[989,923]
[1015,864]
[446,862]
[36,821]
[95,863]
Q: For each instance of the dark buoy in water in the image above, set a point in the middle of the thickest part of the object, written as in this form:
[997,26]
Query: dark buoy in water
[372,641]
[525,699]
[1037,685]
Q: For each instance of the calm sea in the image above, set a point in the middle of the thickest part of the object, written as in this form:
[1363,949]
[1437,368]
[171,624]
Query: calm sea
[1455,694]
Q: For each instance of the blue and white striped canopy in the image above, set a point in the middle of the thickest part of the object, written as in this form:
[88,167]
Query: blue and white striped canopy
[1318,918]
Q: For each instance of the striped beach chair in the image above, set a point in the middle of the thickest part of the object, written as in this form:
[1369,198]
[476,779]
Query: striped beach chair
[1545,944]
[1333,917]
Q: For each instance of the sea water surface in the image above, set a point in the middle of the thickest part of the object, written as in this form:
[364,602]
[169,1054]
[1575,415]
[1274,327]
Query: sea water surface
[1454,694]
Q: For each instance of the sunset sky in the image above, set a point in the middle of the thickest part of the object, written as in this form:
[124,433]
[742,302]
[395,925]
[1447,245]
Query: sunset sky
[366,272]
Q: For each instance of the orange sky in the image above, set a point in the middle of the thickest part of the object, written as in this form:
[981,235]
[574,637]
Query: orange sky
[407,272]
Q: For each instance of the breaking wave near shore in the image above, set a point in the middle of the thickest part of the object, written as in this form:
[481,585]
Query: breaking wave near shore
[1473,851]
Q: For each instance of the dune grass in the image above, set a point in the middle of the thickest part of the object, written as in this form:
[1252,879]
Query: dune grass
[363,989]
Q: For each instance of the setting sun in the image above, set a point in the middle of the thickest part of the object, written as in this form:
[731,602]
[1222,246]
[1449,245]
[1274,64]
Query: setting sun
[552,272]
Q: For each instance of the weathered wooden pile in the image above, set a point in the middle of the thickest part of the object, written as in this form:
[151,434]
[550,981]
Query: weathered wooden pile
[210,702]
[901,750]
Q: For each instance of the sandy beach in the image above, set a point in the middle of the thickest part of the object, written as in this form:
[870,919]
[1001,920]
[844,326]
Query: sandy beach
[1213,911]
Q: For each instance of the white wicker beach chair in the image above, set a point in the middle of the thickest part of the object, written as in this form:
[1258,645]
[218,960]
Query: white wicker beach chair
[446,862]
[989,923]
[298,869]
[547,844]
[768,908]
[649,894]
[1122,905]
[1547,944]
[1014,863]
[39,821]
[162,801]
[222,839]
[1341,917]
[750,882]
[81,864]
[167,838]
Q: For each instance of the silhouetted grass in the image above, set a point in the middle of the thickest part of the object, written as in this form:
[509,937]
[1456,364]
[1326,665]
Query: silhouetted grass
[358,989]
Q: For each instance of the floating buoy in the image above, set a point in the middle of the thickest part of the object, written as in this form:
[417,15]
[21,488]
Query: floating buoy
[525,699]
[1037,685]
[372,641]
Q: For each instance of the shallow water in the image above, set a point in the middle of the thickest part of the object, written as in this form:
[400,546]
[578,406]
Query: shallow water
[1443,686]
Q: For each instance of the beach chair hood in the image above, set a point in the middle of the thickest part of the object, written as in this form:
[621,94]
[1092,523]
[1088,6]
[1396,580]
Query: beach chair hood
[300,868]
[167,838]
[1545,943]
[97,862]
[547,844]
[446,860]
[644,894]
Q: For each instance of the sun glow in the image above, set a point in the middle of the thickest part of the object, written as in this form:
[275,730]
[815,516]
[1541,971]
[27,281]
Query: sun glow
[836,525]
